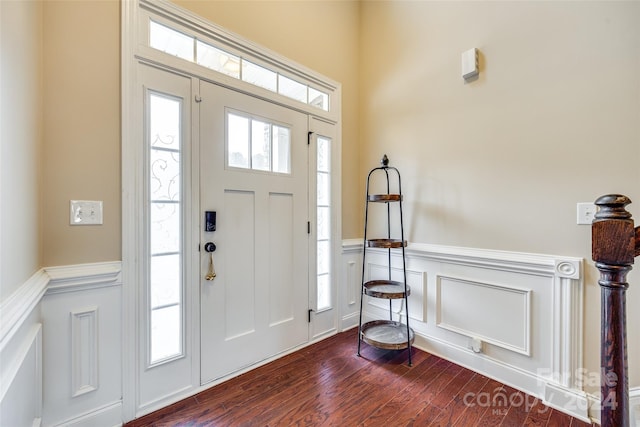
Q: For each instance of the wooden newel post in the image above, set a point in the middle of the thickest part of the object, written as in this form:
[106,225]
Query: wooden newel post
[614,247]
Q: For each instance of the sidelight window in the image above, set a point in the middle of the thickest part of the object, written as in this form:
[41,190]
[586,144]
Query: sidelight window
[165,229]
[323,223]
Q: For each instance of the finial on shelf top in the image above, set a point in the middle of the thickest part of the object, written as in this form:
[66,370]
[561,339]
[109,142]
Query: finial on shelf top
[384,161]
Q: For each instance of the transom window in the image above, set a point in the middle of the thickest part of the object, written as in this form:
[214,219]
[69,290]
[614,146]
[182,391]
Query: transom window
[257,144]
[192,49]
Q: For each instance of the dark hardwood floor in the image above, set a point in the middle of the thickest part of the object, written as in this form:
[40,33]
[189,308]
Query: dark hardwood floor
[328,384]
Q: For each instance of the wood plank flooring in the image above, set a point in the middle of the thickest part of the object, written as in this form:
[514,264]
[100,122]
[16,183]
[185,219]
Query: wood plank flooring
[327,384]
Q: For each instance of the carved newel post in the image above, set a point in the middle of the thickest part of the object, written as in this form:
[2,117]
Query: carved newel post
[614,247]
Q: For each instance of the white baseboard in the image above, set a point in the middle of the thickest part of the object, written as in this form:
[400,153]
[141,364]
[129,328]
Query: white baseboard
[349,321]
[569,401]
[109,415]
[573,402]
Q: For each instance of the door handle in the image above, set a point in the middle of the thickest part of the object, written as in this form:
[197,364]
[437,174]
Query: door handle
[210,247]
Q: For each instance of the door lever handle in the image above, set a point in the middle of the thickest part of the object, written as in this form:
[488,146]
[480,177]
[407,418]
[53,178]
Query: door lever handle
[211,273]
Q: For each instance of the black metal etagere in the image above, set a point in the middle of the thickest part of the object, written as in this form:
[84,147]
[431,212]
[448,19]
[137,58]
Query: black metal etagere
[386,334]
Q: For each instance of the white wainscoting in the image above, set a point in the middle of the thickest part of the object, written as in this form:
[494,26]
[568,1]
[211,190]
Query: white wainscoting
[79,319]
[349,290]
[525,310]
[61,348]
[21,354]
[82,321]
[21,379]
[497,314]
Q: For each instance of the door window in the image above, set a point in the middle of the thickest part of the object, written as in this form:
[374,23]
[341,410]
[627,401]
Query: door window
[258,144]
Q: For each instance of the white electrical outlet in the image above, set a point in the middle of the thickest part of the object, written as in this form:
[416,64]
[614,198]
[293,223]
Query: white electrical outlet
[85,212]
[586,212]
[475,345]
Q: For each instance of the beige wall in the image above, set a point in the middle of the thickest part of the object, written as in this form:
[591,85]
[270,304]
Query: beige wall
[82,103]
[20,142]
[321,35]
[81,128]
[500,162]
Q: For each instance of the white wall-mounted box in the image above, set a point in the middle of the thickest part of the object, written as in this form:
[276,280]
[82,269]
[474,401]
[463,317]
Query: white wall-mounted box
[470,63]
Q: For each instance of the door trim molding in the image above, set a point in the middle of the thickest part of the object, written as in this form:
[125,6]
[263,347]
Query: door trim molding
[133,52]
[131,195]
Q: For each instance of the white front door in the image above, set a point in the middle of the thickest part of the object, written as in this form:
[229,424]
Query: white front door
[254,175]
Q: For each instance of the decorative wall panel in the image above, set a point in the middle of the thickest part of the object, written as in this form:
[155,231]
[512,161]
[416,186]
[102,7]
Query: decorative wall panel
[496,314]
[84,351]
[82,345]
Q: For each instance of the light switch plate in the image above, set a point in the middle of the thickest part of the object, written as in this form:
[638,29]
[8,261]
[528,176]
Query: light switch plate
[585,212]
[85,212]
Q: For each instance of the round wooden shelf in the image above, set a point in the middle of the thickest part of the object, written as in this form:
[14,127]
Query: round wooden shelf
[388,289]
[387,334]
[385,243]
[384,198]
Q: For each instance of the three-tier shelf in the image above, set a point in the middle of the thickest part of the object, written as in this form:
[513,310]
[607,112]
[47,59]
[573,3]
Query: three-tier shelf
[386,334]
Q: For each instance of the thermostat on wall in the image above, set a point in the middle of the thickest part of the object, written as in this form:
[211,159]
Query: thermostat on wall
[470,63]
